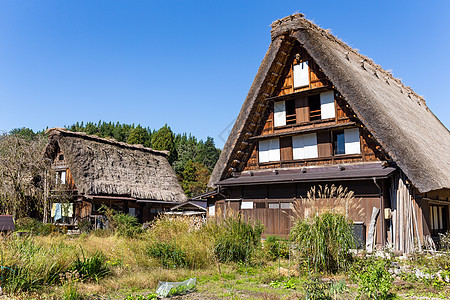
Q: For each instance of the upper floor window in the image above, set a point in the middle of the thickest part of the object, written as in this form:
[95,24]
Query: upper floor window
[347,142]
[304,146]
[304,109]
[269,150]
[301,74]
[61,177]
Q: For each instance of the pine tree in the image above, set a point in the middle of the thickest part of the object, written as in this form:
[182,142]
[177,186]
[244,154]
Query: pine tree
[163,139]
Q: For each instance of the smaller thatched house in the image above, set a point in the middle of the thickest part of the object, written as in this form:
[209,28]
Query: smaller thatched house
[90,171]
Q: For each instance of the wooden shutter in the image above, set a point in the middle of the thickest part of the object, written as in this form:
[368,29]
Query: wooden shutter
[302,109]
[352,144]
[324,144]
[327,109]
[279,109]
[286,148]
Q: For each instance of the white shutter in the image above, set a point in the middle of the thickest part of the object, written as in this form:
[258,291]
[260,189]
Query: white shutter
[212,210]
[304,146]
[351,137]
[327,105]
[279,113]
[264,147]
[247,205]
[63,177]
[274,153]
[301,74]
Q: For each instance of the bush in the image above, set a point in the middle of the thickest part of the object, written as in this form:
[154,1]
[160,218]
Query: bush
[126,225]
[275,247]
[324,241]
[373,278]
[237,239]
[169,254]
[92,267]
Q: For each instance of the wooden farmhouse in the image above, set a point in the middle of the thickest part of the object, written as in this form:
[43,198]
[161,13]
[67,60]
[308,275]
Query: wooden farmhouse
[89,171]
[318,112]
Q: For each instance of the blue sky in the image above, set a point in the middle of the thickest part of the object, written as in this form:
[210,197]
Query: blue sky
[190,63]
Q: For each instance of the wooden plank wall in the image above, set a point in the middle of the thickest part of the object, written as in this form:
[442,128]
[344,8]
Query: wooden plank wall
[278,220]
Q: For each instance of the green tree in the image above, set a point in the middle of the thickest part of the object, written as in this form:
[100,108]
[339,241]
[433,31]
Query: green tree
[163,139]
[138,135]
[208,154]
[194,178]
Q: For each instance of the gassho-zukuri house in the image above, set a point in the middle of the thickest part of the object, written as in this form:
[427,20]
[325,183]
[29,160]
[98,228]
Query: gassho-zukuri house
[318,112]
[91,171]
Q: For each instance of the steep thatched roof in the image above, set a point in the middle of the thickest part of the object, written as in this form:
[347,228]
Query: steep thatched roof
[398,118]
[102,166]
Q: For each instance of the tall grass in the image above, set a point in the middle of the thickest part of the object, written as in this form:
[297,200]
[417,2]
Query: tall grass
[235,238]
[323,235]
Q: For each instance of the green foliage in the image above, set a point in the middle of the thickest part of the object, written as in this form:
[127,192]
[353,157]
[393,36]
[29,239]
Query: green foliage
[91,267]
[324,241]
[28,224]
[276,247]
[140,135]
[316,289]
[237,239]
[163,139]
[373,278]
[192,160]
[169,254]
[194,178]
[126,225]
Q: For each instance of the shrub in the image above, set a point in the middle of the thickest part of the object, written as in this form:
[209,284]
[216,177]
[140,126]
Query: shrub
[92,267]
[126,225]
[169,254]
[373,278]
[275,247]
[26,224]
[324,241]
[237,239]
[316,289]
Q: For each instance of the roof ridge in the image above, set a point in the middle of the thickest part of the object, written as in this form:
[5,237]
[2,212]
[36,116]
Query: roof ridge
[290,23]
[112,141]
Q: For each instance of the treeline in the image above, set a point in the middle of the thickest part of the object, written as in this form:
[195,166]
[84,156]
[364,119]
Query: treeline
[193,160]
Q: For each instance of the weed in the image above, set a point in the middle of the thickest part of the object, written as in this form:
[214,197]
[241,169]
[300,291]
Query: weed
[374,280]
[169,254]
[93,267]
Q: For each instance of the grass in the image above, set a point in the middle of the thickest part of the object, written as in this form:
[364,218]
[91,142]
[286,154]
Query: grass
[110,266]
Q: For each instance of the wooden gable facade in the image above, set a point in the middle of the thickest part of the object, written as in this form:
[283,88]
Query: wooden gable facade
[300,126]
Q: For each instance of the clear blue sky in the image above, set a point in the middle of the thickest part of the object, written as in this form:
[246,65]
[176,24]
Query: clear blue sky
[190,63]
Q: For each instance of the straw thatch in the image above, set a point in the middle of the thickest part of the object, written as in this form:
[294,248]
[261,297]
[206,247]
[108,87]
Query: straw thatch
[409,133]
[102,166]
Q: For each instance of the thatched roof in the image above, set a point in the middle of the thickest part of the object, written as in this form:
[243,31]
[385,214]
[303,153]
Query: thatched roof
[409,133]
[102,166]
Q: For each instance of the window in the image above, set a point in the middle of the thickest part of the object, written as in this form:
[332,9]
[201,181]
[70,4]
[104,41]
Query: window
[61,177]
[269,150]
[247,205]
[290,112]
[212,210]
[438,218]
[279,113]
[304,146]
[339,143]
[327,105]
[274,205]
[301,74]
[314,108]
[347,142]
[61,157]
[132,211]
[286,205]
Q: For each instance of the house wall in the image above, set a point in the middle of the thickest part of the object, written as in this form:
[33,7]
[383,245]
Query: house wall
[268,207]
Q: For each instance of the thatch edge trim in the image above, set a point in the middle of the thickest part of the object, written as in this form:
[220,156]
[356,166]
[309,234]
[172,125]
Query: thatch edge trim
[63,131]
[239,125]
